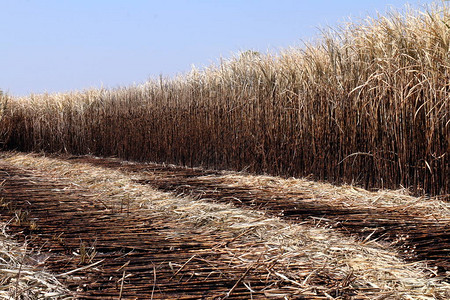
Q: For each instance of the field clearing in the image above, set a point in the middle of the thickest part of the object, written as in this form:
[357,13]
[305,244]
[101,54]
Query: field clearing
[119,222]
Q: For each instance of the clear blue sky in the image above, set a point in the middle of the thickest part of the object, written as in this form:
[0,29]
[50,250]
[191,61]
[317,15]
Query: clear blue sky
[61,45]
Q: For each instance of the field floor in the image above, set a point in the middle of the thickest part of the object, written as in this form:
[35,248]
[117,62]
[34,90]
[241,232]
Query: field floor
[110,229]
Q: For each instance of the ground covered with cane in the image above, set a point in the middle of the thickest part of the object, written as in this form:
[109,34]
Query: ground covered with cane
[104,228]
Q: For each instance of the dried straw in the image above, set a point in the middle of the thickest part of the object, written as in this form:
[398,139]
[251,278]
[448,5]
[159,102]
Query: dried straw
[294,256]
[22,274]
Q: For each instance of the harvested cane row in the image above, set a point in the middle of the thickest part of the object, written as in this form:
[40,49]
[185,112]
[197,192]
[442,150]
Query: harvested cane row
[102,252]
[74,232]
[417,236]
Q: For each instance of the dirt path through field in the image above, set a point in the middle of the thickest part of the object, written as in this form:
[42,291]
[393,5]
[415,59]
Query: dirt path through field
[106,234]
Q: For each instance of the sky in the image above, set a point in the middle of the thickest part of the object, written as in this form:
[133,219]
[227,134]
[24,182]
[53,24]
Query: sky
[61,45]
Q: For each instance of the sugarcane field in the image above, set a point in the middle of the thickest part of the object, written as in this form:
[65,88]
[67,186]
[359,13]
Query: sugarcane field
[319,172]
